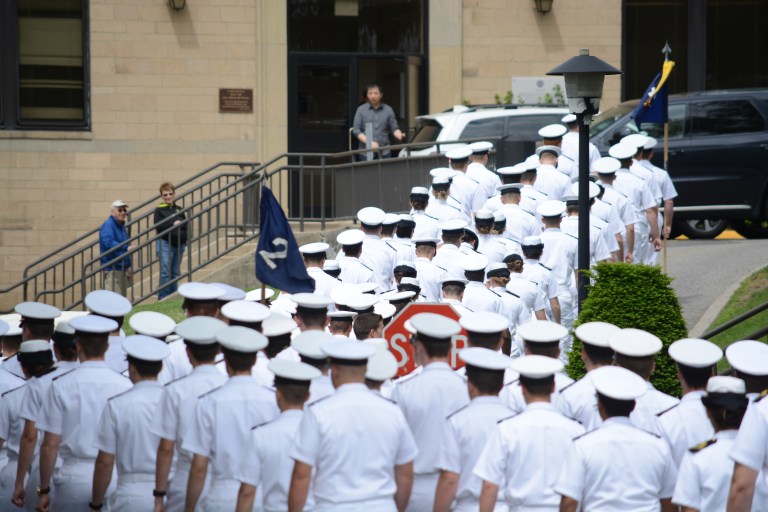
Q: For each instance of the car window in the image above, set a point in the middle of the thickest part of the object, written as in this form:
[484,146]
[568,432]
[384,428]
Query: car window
[427,132]
[529,126]
[605,119]
[676,119]
[726,117]
[490,127]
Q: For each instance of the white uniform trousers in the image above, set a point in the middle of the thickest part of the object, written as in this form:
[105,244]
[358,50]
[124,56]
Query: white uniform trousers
[472,504]
[377,505]
[533,508]
[643,247]
[133,492]
[72,485]
[567,319]
[177,489]
[222,496]
[423,494]
[8,479]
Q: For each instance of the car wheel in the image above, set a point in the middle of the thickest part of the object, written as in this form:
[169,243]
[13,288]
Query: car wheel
[751,228]
[701,228]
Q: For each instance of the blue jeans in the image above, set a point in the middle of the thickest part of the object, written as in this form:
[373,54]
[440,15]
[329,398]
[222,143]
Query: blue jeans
[170,260]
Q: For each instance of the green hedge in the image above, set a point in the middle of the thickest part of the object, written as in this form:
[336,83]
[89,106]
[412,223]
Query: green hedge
[636,296]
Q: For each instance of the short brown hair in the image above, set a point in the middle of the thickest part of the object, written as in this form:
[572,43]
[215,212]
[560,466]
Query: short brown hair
[167,185]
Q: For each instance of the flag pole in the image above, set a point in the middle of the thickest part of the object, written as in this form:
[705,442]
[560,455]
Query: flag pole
[666,51]
[264,293]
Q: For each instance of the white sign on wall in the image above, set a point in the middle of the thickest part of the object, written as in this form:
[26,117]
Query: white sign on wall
[533,90]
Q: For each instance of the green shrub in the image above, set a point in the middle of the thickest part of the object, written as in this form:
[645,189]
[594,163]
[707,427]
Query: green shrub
[636,296]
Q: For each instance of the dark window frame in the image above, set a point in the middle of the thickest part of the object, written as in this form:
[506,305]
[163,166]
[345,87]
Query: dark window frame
[10,104]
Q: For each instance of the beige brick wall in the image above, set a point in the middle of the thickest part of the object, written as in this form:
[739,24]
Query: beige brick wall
[501,39]
[155,76]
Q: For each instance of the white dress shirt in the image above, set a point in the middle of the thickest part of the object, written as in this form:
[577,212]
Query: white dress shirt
[353,440]
[520,223]
[487,181]
[324,283]
[596,467]
[685,425]
[704,477]
[427,226]
[353,271]
[381,258]
[124,432]
[448,257]
[648,406]
[512,393]
[552,182]
[524,455]
[11,427]
[579,402]
[115,356]
[465,434]
[268,465]
[477,297]
[429,276]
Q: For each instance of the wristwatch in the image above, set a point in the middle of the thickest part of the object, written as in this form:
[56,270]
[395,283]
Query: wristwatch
[42,490]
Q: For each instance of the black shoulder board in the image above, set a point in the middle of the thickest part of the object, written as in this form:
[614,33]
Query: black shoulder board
[570,235]
[701,446]
[209,392]
[761,396]
[455,208]
[622,195]
[546,267]
[493,292]
[176,380]
[667,410]
[513,294]
[457,411]
[12,390]
[569,385]
[319,400]
[363,264]
[261,425]
[506,418]
[63,374]
[566,156]
[431,217]
[441,268]
[585,434]
[384,398]
[118,395]
[512,382]
[390,246]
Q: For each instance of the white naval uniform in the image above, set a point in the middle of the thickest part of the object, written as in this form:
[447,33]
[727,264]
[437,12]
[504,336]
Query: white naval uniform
[531,198]
[751,449]
[598,242]
[512,393]
[124,432]
[381,258]
[544,279]
[353,271]
[268,465]
[115,355]
[11,427]
[320,387]
[467,192]
[35,392]
[260,370]
[427,226]
[495,247]
[512,308]
[177,365]
[426,399]
[525,289]
[552,182]
[570,148]
[175,412]
[704,477]
[561,252]
[598,462]
[12,365]
[685,425]
[520,223]
[220,429]
[448,257]
[648,406]
[524,454]
[324,283]
[642,199]
[74,402]
[457,306]
[353,440]
[442,210]
[487,181]
[429,276]
[465,434]
[579,402]
[477,297]
[8,381]
[405,249]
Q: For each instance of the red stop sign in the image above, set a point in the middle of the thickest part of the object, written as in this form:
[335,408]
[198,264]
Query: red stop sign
[400,339]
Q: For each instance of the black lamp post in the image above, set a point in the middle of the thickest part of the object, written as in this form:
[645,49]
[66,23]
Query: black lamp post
[584,76]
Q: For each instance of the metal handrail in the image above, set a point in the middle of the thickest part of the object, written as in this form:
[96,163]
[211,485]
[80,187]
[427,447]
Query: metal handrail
[212,205]
[739,319]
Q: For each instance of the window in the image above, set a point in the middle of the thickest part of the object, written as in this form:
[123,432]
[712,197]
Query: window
[676,118]
[529,126]
[484,128]
[726,117]
[43,81]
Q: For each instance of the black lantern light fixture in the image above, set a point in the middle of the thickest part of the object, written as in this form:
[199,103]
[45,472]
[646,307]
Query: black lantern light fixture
[177,5]
[584,76]
[543,6]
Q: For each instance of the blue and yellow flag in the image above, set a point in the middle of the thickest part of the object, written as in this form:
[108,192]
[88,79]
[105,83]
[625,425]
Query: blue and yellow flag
[278,261]
[653,106]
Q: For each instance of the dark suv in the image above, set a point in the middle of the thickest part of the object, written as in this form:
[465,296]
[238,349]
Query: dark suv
[718,158]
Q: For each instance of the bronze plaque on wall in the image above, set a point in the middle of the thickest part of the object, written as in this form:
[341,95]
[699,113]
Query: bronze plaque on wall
[236,100]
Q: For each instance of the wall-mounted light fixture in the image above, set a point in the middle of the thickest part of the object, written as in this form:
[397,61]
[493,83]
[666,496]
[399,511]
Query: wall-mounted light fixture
[180,4]
[543,6]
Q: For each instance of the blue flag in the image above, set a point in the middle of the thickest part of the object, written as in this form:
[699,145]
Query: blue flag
[653,106]
[278,261]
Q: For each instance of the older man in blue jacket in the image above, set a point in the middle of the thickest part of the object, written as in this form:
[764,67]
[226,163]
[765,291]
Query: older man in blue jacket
[117,271]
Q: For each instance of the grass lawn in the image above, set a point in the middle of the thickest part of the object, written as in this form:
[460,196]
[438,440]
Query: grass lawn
[752,292]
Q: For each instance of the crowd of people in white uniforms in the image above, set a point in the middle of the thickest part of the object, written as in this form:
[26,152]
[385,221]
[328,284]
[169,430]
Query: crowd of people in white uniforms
[295,405]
